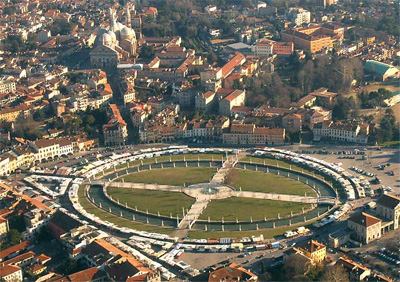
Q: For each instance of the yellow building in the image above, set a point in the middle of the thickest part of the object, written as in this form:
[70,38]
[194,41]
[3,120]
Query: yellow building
[315,38]
[313,250]
[388,206]
[3,227]
[367,227]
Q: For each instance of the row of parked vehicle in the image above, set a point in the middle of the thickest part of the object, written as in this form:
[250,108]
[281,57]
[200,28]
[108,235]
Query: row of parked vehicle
[361,171]
[388,256]
[326,152]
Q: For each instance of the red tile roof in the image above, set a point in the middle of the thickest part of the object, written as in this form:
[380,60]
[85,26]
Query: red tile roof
[232,64]
[364,219]
[87,275]
[19,247]
[6,270]
[20,258]
[234,95]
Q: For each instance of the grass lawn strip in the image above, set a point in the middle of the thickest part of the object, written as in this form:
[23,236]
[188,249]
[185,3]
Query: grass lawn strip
[268,183]
[119,221]
[179,157]
[244,208]
[172,176]
[153,201]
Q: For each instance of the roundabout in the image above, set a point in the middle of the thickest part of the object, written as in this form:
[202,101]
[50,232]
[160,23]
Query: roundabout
[162,193]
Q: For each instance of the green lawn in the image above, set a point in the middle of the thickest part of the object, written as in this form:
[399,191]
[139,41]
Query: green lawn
[122,222]
[391,143]
[244,208]
[155,201]
[257,181]
[269,161]
[281,163]
[172,176]
[305,169]
[179,157]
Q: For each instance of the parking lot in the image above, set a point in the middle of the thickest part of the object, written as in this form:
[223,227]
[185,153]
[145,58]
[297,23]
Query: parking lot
[370,163]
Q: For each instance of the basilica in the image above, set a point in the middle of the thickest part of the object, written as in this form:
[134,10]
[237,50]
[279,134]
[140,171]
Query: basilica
[114,45]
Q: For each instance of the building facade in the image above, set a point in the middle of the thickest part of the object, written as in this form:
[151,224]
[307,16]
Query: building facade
[115,131]
[367,227]
[236,98]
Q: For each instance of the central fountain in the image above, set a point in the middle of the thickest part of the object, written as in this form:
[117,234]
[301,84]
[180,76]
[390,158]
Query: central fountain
[209,191]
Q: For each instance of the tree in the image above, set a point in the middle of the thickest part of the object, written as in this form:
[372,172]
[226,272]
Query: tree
[147,51]
[389,128]
[61,26]
[296,265]
[24,127]
[335,274]
[38,115]
[14,237]
[89,119]
[72,125]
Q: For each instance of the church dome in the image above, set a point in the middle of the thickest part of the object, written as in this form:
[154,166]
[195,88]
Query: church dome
[107,40]
[114,26]
[120,26]
[101,31]
[112,35]
[127,33]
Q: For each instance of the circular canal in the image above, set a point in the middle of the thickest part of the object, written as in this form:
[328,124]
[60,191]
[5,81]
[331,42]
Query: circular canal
[98,196]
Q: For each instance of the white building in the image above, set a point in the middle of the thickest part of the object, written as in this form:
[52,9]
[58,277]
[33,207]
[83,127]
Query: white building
[10,273]
[129,96]
[4,165]
[355,133]
[205,101]
[45,149]
[66,147]
[210,9]
[299,16]
[7,86]
[261,5]
[263,48]
[236,98]
[3,227]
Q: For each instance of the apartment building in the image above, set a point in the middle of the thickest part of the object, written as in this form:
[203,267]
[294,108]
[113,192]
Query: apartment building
[249,134]
[356,271]
[115,131]
[313,250]
[10,273]
[7,86]
[283,49]
[45,149]
[66,147]
[11,114]
[355,133]
[299,16]
[236,98]
[264,47]
[315,38]
[4,227]
[205,101]
[292,122]
[388,206]
[4,165]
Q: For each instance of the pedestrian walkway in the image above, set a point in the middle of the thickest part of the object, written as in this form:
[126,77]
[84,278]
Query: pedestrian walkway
[145,186]
[193,214]
[229,163]
[277,197]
